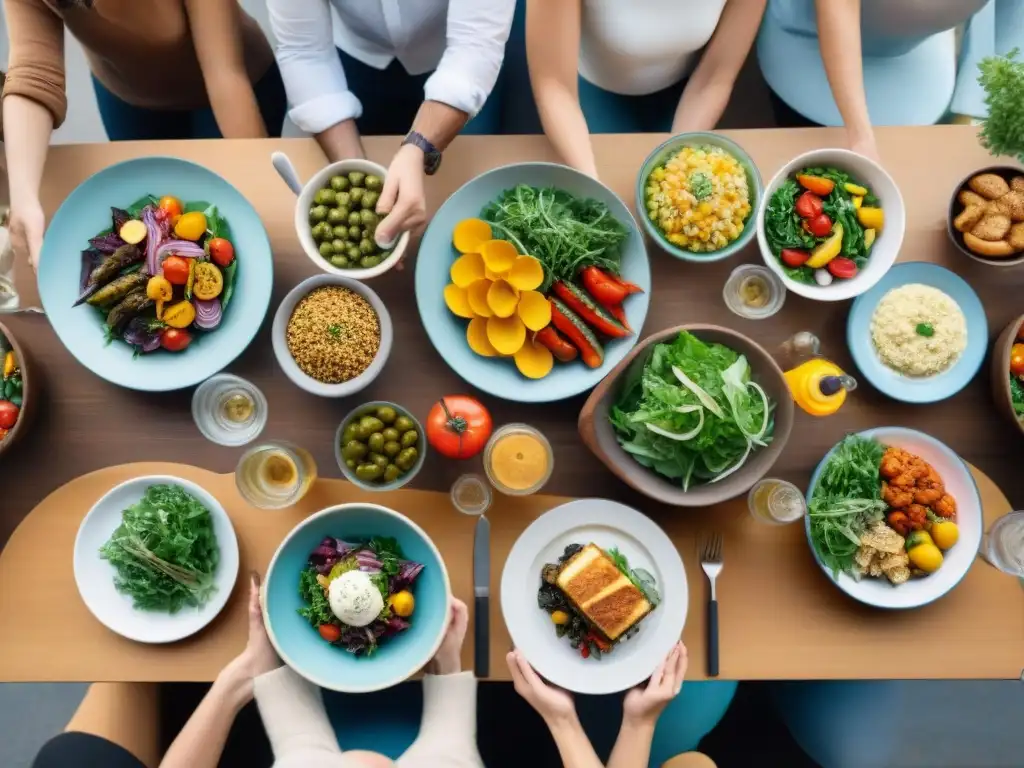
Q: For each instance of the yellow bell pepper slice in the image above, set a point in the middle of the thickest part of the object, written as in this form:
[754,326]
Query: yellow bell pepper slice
[869,238]
[855,189]
[858,201]
[871,217]
[9,364]
[827,250]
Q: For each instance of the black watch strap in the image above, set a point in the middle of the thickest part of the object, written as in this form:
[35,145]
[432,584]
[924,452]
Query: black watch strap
[431,154]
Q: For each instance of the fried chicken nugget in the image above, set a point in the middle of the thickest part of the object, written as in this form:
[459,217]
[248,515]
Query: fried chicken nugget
[890,467]
[917,515]
[989,185]
[1011,204]
[992,227]
[899,522]
[968,198]
[897,498]
[1016,238]
[993,250]
[1017,184]
[945,506]
[969,217]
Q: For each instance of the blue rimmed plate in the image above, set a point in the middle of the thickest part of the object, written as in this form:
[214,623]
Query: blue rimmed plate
[912,389]
[86,211]
[959,482]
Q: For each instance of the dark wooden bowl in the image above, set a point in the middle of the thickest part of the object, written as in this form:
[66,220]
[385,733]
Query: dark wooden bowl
[1001,372]
[599,435]
[1007,172]
[30,391]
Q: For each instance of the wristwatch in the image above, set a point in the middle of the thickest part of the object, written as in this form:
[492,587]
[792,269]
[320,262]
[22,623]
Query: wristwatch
[431,154]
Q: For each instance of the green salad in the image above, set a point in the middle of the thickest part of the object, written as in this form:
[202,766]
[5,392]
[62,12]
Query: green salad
[165,551]
[1017,396]
[692,412]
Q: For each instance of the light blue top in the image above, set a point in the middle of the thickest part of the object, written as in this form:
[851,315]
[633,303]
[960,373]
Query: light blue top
[912,75]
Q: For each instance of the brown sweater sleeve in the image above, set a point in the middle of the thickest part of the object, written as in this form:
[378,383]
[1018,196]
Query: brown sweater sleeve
[36,68]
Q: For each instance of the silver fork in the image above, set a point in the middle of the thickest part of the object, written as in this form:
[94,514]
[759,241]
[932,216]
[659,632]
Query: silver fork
[711,562]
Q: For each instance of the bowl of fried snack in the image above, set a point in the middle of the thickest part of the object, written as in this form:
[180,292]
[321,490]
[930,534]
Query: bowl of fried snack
[986,216]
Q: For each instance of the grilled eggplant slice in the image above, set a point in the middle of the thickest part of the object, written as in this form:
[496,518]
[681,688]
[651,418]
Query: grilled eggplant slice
[131,305]
[113,292]
[108,270]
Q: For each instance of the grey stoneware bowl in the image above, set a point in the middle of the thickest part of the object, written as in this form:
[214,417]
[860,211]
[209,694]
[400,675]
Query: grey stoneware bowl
[599,435]
[366,409]
[1001,372]
[1007,173]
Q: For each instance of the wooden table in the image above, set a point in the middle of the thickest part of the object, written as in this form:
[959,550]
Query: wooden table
[88,424]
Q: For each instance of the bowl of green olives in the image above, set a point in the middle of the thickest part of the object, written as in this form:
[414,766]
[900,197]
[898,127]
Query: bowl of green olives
[380,446]
[336,218]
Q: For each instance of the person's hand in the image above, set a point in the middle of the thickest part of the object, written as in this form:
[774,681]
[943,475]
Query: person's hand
[866,146]
[259,656]
[552,703]
[402,201]
[644,704]
[27,225]
[448,659]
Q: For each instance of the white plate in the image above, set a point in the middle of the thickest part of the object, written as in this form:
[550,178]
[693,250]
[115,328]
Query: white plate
[956,562]
[95,576]
[607,524]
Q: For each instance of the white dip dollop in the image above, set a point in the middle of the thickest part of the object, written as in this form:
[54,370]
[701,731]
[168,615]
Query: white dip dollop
[354,599]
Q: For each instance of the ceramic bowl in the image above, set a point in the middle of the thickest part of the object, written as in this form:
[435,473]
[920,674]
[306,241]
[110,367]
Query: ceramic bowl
[287,362]
[599,436]
[660,155]
[304,202]
[350,475]
[1001,371]
[887,245]
[301,647]
[956,208]
[30,387]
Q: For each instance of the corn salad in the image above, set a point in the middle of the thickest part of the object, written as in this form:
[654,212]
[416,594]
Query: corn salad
[699,198]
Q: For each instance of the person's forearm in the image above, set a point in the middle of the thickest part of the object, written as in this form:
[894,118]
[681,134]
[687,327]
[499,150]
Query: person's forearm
[201,741]
[341,141]
[27,130]
[633,746]
[565,126]
[573,745]
[839,36]
[701,106]
[234,106]
[439,123]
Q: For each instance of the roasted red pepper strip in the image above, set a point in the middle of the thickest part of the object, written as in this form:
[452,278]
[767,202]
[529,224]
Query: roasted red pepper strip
[630,287]
[560,348]
[603,287]
[592,313]
[619,314]
[569,323]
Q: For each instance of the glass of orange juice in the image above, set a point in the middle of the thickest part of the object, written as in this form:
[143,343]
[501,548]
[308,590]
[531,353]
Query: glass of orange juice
[273,475]
[518,459]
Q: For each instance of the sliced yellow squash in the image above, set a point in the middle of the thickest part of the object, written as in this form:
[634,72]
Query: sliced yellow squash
[506,334]
[534,310]
[457,300]
[467,269]
[470,234]
[534,360]
[499,255]
[502,298]
[476,336]
[476,295]
[526,273]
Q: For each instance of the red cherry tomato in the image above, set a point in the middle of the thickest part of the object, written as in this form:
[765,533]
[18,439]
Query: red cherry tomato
[171,207]
[842,268]
[330,632]
[794,257]
[819,226]
[8,414]
[1016,360]
[808,205]
[175,339]
[175,270]
[222,253]
[458,426]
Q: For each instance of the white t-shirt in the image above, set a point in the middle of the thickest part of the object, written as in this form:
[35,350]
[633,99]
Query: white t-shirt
[636,47]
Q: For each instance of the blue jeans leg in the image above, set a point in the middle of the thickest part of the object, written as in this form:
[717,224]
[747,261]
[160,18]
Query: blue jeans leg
[384,721]
[608,112]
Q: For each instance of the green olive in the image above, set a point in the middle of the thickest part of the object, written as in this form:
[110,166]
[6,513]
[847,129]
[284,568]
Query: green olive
[369,472]
[367,234]
[340,247]
[326,250]
[343,214]
[404,424]
[354,232]
[391,473]
[353,219]
[366,247]
[353,253]
[392,434]
[392,449]
[356,178]
[407,458]
[340,232]
[322,231]
[379,459]
[336,216]
[317,213]
[350,433]
[410,438]
[350,463]
[369,262]
[368,217]
[354,449]
[355,197]
[324,196]
[341,262]
[369,200]
[376,442]
[339,183]
[343,199]
[368,425]
[387,414]
[374,183]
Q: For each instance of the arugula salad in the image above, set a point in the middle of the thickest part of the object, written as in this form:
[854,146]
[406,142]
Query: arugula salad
[692,412]
[358,594]
[165,551]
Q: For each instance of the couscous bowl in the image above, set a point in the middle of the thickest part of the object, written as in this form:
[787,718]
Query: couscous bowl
[696,195]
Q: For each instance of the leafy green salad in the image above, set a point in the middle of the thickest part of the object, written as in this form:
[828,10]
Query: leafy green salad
[165,551]
[692,412]
[1017,396]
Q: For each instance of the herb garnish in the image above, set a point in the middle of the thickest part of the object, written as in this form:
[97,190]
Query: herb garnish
[925,329]
[700,185]
[335,330]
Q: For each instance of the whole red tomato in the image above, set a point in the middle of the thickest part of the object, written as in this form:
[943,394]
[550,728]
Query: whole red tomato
[175,269]
[8,414]
[458,426]
[1016,362]
[175,339]
[808,205]
[222,253]
[819,226]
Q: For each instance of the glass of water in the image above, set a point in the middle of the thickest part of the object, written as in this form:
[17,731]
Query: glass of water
[229,410]
[1003,545]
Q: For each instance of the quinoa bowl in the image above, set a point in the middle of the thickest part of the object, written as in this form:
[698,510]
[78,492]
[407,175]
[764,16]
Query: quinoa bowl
[332,335]
[697,195]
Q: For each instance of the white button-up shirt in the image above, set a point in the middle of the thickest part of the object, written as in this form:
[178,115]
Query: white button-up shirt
[462,41]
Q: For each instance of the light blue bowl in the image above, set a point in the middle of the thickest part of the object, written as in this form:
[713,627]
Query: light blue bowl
[300,646]
[496,376]
[907,388]
[660,155]
[86,211]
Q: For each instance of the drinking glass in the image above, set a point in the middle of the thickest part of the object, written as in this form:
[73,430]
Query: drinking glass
[229,410]
[776,501]
[471,494]
[1003,545]
[273,475]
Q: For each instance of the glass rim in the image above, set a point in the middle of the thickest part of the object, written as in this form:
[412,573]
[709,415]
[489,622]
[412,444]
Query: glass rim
[517,428]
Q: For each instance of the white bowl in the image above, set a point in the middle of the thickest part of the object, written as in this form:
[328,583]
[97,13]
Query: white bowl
[304,231]
[287,362]
[95,576]
[887,245]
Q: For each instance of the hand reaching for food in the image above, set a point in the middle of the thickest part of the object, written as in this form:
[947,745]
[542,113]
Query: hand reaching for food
[448,659]
[644,704]
[550,702]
